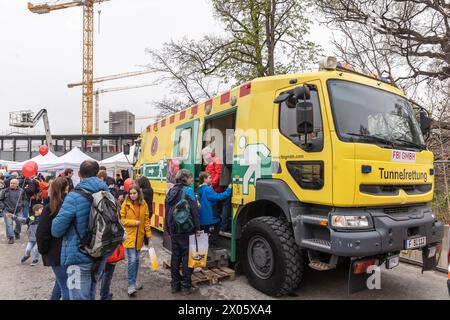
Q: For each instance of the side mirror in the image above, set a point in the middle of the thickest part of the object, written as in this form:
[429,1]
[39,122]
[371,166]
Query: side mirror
[126,149]
[425,122]
[302,93]
[305,118]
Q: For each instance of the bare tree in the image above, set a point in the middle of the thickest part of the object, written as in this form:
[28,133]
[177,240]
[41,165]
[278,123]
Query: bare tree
[260,38]
[411,29]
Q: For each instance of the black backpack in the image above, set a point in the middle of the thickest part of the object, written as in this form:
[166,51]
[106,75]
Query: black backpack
[105,231]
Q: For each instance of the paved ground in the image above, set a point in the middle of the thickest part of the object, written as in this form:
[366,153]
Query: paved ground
[30,283]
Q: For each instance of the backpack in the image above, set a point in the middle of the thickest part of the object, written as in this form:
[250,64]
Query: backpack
[181,216]
[105,230]
[43,191]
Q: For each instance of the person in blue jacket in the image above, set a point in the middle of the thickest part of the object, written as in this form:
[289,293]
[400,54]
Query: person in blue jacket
[71,224]
[208,199]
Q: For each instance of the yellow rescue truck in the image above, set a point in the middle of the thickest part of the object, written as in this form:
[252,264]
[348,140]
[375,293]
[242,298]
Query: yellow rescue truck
[325,166]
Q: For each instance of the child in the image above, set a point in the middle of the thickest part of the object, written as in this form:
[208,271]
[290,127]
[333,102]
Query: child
[208,199]
[32,221]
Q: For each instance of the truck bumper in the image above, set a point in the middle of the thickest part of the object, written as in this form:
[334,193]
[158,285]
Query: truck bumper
[389,233]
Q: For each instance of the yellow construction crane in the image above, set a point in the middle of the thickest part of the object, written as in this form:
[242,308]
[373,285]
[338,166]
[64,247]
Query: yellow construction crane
[113,77]
[97,100]
[109,78]
[88,51]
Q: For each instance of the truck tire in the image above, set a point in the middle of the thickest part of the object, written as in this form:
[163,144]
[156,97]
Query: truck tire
[270,257]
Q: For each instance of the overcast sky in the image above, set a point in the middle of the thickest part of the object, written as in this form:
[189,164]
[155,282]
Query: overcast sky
[41,54]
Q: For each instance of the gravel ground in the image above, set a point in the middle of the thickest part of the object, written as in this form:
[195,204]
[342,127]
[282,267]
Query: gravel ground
[24,282]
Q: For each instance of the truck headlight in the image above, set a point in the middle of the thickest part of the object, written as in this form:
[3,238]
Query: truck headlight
[354,222]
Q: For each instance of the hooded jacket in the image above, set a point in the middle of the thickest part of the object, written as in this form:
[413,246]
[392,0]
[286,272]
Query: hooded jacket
[135,234]
[172,198]
[208,198]
[75,211]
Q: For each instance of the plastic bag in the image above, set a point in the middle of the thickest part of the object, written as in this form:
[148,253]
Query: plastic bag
[153,259]
[198,251]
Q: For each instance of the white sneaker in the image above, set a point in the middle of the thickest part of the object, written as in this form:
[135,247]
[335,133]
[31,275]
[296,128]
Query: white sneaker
[131,290]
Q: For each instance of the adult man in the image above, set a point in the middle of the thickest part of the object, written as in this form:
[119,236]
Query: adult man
[110,182]
[11,201]
[71,223]
[30,187]
[68,173]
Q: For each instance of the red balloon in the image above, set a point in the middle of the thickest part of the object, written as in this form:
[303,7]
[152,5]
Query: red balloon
[43,150]
[29,169]
[127,184]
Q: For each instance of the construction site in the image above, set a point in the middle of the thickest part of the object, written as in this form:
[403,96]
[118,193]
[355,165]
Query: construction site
[225,150]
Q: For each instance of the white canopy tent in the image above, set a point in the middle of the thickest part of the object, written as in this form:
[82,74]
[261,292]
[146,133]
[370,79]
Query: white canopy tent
[71,160]
[118,162]
[43,162]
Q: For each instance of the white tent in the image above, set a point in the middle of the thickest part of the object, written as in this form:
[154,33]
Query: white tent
[71,159]
[118,162]
[43,162]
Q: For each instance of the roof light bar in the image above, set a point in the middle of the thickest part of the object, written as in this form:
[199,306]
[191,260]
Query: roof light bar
[328,63]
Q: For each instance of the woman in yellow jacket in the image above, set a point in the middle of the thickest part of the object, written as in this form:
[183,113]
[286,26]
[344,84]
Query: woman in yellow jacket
[135,218]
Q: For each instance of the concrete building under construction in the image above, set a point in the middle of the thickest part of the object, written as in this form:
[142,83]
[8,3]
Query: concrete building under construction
[121,122]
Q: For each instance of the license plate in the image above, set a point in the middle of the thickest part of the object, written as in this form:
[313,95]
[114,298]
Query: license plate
[415,243]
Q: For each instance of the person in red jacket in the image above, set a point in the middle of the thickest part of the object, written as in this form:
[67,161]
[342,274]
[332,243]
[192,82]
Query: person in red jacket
[214,168]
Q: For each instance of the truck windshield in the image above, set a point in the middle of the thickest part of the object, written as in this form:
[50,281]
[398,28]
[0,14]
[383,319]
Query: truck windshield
[370,115]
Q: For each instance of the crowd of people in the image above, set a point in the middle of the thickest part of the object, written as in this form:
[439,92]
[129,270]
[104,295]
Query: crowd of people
[57,214]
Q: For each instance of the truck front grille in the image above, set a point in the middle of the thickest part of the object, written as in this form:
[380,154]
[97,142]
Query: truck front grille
[393,190]
[396,210]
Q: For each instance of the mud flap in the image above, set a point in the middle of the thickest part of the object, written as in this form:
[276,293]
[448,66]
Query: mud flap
[448,286]
[429,263]
[357,282]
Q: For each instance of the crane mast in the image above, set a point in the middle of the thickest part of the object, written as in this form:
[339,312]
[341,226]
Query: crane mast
[87,105]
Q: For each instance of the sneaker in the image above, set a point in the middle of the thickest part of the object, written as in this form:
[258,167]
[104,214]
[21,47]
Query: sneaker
[189,291]
[17,235]
[34,263]
[131,290]
[11,241]
[24,258]
[139,286]
[175,290]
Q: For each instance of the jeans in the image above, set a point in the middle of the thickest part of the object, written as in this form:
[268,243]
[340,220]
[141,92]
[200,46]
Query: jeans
[180,255]
[26,209]
[32,249]
[106,281]
[60,289]
[214,235]
[133,266]
[225,210]
[10,230]
[82,281]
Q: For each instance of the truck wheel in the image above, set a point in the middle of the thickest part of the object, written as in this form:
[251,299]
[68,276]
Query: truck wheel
[270,257]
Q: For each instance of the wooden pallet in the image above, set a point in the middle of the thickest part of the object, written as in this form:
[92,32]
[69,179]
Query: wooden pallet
[210,276]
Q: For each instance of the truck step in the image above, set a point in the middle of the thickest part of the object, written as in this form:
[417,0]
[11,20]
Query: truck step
[321,266]
[317,244]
